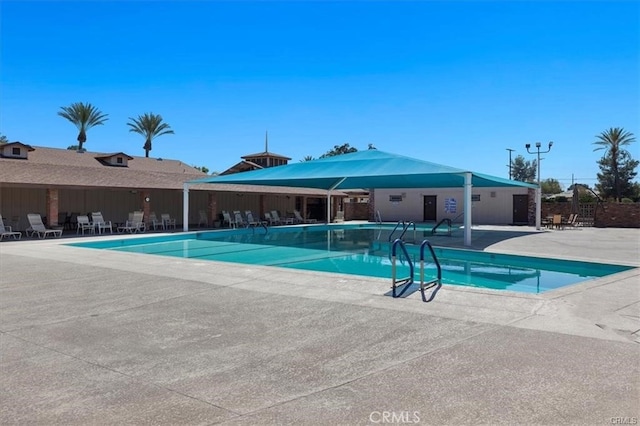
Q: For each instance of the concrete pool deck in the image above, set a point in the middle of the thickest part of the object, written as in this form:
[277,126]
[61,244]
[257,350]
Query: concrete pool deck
[99,337]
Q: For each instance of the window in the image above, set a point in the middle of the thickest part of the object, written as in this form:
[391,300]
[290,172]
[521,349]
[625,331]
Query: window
[475,197]
[119,160]
[15,150]
[395,198]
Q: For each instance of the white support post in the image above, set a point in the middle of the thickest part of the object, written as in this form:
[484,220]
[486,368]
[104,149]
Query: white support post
[185,207]
[467,208]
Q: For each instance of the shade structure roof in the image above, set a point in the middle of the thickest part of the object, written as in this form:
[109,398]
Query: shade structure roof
[363,170]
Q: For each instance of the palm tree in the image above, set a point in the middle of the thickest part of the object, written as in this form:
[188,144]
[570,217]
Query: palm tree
[613,141]
[84,116]
[149,125]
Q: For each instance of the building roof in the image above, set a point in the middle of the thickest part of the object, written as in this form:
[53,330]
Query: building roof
[265,154]
[55,167]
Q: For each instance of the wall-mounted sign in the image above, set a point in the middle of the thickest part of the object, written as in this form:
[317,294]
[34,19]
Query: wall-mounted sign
[450,205]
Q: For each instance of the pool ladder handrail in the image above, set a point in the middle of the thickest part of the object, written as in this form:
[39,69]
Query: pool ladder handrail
[407,281]
[443,221]
[378,218]
[437,282]
[405,227]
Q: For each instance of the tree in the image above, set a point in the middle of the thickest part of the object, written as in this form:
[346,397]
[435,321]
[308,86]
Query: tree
[83,116]
[3,139]
[307,158]
[610,186]
[150,126]
[73,147]
[551,186]
[524,171]
[616,165]
[339,150]
[203,169]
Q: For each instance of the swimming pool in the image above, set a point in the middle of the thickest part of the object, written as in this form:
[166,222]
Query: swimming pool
[363,250]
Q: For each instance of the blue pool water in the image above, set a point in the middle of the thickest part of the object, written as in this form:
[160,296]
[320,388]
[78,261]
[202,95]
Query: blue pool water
[363,250]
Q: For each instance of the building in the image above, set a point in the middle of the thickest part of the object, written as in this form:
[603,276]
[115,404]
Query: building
[58,183]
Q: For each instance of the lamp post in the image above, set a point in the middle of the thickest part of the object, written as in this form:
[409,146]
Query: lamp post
[538,189]
[510,151]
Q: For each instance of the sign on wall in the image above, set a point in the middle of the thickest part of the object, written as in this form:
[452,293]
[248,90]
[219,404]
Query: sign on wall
[450,205]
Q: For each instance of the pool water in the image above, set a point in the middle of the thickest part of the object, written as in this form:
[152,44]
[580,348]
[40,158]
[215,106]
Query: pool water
[364,251]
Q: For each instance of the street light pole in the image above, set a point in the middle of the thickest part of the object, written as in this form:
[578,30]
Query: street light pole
[510,151]
[538,189]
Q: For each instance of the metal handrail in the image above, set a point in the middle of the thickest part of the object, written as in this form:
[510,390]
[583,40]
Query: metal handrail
[445,220]
[438,281]
[378,218]
[400,222]
[407,280]
[406,227]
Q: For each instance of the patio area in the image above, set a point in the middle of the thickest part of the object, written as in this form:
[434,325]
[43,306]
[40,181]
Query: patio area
[99,337]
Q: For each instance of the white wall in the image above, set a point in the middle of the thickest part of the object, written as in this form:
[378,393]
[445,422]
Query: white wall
[494,208]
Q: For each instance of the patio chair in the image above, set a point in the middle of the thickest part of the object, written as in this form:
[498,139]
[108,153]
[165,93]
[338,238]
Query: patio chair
[36,227]
[251,221]
[203,218]
[134,224]
[557,221]
[85,225]
[239,220]
[269,218]
[167,221]
[154,222]
[226,219]
[299,219]
[100,223]
[276,217]
[7,231]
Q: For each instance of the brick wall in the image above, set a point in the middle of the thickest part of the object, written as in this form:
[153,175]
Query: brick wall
[356,211]
[607,215]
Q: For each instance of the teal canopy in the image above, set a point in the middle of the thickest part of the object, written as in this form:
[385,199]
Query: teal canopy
[363,170]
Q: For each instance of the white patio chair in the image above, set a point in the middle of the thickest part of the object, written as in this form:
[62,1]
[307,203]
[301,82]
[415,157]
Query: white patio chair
[85,225]
[6,231]
[36,227]
[167,221]
[100,223]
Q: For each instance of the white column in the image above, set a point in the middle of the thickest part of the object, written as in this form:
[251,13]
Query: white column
[467,208]
[185,207]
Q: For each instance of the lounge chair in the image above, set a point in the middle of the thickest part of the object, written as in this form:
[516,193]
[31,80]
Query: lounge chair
[134,224]
[276,217]
[100,223]
[226,219]
[339,217]
[270,219]
[299,219]
[167,221]
[239,220]
[36,227]
[85,225]
[253,222]
[7,231]
[203,218]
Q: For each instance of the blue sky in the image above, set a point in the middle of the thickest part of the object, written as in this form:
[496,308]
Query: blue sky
[455,83]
